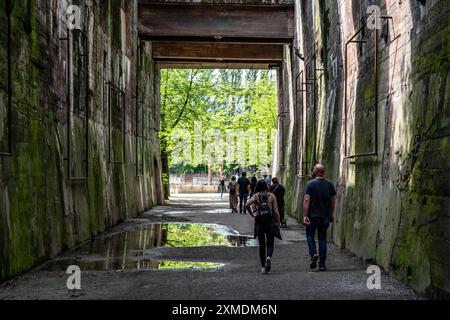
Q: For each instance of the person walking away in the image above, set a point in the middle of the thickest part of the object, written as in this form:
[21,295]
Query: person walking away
[244,190]
[233,199]
[277,189]
[266,179]
[267,218]
[222,187]
[318,208]
[253,182]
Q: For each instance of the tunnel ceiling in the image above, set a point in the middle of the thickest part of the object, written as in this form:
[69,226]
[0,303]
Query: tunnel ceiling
[198,35]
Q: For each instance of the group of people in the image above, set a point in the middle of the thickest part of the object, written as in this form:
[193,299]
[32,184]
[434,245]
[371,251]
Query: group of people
[241,189]
[266,205]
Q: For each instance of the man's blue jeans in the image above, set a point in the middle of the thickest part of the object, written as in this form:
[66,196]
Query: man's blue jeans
[242,202]
[321,225]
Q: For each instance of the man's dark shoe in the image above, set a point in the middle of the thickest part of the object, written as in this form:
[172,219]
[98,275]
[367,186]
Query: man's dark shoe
[323,268]
[314,259]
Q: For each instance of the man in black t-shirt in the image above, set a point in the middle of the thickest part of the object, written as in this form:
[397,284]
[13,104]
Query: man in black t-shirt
[318,209]
[244,191]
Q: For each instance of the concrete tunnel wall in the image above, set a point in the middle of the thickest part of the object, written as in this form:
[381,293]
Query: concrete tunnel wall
[42,213]
[393,209]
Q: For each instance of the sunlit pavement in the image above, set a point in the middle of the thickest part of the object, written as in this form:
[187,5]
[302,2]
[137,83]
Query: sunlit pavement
[236,277]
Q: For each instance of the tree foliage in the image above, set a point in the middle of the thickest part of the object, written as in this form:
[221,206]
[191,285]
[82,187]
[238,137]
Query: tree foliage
[216,99]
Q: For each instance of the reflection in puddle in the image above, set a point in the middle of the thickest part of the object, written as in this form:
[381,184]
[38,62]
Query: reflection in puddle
[129,250]
[127,264]
[188,265]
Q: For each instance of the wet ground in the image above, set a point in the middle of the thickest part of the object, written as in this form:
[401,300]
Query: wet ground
[194,248]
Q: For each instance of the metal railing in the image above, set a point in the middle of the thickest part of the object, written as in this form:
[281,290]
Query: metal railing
[8,151]
[140,133]
[311,75]
[140,136]
[374,151]
[120,106]
[302,149]
[83,54]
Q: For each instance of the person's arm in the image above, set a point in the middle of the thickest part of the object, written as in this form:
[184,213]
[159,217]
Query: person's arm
[248,205]
[332,207]
[306,202]
[275,211]
[306,205]
[333,202]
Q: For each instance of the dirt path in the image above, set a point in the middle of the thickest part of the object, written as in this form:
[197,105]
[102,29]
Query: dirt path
[237,278]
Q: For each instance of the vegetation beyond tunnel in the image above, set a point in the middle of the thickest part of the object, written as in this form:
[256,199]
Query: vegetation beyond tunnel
[210,119]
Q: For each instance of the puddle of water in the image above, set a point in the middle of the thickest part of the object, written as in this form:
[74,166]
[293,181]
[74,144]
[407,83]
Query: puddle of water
[219,211]
[128,250]
[127,264]
[179,212]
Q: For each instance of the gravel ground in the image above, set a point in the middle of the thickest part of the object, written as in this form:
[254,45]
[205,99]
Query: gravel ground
[239,277]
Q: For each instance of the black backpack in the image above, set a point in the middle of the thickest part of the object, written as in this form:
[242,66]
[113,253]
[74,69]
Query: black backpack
[265,214]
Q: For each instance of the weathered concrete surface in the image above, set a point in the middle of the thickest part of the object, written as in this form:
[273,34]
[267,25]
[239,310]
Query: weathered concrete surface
[42,213]
[392,208]
[238,279]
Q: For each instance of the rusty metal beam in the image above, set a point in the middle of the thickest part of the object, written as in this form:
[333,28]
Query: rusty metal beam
[216,22]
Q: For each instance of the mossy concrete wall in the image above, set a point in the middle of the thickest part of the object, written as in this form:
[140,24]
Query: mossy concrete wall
[42,213]
[393,208]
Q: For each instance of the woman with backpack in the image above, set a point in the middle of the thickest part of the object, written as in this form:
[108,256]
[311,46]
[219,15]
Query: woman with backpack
[233,190]
[267,222]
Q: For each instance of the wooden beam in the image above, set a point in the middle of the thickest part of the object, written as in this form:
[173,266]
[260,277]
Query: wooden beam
[216,51]
[207,22]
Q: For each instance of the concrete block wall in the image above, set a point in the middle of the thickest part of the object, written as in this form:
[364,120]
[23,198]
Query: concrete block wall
[42,213]
[393,208]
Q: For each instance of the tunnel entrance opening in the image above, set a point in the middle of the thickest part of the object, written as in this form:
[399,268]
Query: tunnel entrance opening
[216,124]
[197,57]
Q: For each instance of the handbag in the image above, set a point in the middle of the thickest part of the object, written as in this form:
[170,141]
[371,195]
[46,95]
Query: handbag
[276,231]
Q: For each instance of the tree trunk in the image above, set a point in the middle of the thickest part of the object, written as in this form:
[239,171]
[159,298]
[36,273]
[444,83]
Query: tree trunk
[210,170]
[165,173]
[221,169]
